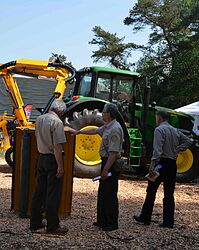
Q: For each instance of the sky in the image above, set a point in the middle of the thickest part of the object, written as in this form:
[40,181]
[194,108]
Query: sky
[33,29]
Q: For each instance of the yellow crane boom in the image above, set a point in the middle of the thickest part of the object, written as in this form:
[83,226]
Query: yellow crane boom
[60,72]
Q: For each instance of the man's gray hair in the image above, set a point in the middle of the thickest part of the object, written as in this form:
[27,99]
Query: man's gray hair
[112,109]
[58,106]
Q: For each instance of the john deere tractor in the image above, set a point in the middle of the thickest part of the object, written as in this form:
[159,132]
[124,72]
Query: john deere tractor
[96,86]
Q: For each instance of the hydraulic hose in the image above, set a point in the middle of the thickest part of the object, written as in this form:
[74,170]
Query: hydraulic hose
[48,104]
[65,66]
[9,64]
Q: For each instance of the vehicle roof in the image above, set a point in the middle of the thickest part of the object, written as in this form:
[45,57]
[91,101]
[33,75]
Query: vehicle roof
[112,70]
[171,111]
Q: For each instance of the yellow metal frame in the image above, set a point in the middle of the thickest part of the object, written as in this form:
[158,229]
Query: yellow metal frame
[5,138]
[33,68]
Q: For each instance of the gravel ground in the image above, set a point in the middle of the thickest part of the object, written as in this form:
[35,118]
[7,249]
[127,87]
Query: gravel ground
[14,233]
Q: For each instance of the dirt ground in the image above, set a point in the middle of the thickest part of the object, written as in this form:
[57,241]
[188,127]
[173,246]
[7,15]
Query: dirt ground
[14,232]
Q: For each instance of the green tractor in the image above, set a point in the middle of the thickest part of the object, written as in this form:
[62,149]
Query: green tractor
[96,86]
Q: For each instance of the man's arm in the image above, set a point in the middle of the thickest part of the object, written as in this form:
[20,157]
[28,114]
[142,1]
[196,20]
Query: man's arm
[58,156]
[111,159]
[158,142]
[69,129]
[86,132]
[185,142]
[115,141]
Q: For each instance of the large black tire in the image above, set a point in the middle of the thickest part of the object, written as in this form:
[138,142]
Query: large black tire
[78,121]
[9,157]
[193,172]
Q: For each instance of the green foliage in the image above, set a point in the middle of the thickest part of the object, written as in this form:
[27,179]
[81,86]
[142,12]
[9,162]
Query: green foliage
[59,58]
[171,21]
[184,77]
[171,56]
[111,48]
[171,59]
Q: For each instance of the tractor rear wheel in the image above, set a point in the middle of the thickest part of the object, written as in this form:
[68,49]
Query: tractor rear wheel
[188,164]
[87,159]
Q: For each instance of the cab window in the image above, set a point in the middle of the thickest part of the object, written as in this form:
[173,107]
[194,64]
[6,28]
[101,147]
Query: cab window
[103,87]
[122,88]
[85,85]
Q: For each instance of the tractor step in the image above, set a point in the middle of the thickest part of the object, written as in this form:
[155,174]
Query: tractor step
[135,147]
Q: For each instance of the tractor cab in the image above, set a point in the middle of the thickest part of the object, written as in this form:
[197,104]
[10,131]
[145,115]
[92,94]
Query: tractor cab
[111,85]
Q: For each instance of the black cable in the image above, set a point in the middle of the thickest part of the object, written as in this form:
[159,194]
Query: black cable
[49,104]
[65,66]
[9,64]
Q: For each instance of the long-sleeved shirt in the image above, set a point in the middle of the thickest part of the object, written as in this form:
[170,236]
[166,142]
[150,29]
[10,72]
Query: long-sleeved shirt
[168,142]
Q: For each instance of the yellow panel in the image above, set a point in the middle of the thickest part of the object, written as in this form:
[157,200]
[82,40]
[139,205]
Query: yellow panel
[25,62]
[67,180]
[16,172]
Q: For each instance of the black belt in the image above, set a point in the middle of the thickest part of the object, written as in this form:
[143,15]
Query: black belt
[106,158]
[46,154]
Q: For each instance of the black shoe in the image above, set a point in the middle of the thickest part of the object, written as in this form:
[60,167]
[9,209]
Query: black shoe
[165,225]
[96,224]
[33,229]
[141,221]
[58,231]
[109,228]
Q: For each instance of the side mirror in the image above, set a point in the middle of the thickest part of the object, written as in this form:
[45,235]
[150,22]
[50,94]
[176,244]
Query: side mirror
[153,104]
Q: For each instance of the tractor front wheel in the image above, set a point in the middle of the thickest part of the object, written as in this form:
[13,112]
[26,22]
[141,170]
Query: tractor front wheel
[87,159]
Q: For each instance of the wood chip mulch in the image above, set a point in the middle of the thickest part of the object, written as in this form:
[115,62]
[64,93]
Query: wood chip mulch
[14,232]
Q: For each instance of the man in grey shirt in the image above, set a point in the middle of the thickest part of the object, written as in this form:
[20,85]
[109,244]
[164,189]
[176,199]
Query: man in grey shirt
[168,142]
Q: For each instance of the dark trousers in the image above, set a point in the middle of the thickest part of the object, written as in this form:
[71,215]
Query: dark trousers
[167,176]
[47,192]
[107,202]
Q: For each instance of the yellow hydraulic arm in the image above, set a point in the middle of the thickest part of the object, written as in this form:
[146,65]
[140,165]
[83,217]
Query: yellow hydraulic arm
[62,73]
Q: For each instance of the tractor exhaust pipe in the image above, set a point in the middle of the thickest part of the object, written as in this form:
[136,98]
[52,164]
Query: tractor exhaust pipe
[145,108]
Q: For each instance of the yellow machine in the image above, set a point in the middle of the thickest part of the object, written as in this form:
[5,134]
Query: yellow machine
[62,73]
[5,142]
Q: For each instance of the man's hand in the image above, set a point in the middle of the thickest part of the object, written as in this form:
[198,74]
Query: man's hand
[60,172]
[69,129]
[75,132]
[104,174]
[58,156]
[111,159]
[151,169]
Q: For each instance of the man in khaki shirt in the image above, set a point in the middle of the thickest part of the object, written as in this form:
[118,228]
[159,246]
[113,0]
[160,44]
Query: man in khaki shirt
[50,139]
[110,150]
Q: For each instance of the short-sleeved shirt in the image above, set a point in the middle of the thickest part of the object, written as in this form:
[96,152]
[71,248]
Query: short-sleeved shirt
[112,138]
[49,132]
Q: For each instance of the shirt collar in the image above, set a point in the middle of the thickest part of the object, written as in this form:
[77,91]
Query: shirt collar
[164,123]
[53,113]
[110,123]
